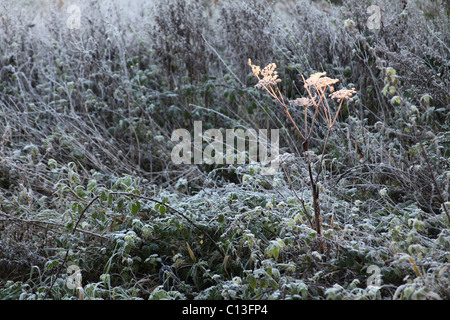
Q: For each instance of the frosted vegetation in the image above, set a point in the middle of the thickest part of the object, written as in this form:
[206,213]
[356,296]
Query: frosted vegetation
[93,207]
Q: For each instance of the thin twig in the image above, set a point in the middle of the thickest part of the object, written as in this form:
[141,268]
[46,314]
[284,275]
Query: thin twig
[434,180]
[67,252]
[220,58]
[38,223]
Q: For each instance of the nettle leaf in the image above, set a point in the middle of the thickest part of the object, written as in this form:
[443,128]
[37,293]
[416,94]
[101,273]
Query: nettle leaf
[70,225]
[273,284]
[135,207]
[120,203]
[75,207]
[273,250]
[104,195]
[92,185]
[49,265]
[79,190]
[251,281]
[110,199]
[127,180]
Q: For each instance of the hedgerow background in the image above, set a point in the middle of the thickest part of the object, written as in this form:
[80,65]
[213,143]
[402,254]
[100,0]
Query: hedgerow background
[86,117]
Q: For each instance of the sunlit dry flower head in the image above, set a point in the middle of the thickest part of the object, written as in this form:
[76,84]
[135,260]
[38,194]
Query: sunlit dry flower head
[301,102]
[255,69]
[316,80]
[311,81]
[343,94]
[269,75]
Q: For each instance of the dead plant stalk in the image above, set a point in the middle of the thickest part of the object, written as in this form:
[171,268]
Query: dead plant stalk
[316,86]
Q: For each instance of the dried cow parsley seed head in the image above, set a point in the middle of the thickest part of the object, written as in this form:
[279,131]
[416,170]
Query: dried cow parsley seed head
[269,75]
[316,80]
[311,81]
[343,94]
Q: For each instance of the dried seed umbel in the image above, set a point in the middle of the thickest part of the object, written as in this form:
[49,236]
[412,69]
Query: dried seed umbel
[316,86]
[269,75]
[343,94]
